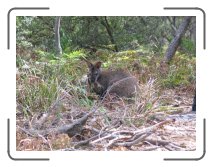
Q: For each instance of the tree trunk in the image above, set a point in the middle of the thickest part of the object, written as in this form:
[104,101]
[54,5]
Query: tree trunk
[109,31]
[57,36]
[176,41]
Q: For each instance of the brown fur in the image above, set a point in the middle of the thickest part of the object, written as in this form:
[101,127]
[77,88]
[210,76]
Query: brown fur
[117,82]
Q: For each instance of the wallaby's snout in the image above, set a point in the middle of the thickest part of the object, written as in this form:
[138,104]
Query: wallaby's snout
[118,82]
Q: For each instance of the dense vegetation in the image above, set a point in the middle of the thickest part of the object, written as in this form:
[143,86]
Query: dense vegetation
[126,33]
[48,82]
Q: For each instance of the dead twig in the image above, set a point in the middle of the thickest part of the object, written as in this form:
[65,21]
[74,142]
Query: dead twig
[158,142]
[150,148]
[129,144]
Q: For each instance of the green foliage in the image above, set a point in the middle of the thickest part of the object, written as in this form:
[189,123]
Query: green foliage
[188,46]
[85,102]
[35,31]
[175,77]
[41,81]
[129,33]
[75,55]
[37,97]
[181,72]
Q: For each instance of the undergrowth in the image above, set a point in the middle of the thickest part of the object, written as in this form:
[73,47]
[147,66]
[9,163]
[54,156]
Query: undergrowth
[58,86]
[40,81]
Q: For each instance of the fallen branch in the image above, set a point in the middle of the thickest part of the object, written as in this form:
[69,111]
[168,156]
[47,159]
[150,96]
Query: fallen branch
[70,129]
[137,136]
[158,142]
[138,140]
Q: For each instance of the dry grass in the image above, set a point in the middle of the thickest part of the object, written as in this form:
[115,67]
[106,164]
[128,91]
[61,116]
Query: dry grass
[112,115]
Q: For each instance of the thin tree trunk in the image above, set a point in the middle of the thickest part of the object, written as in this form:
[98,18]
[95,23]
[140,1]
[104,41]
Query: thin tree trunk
[109,31]
[57,36]
[176,41]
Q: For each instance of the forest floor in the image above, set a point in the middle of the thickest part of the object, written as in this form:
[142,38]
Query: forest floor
[55,112]
[112,124]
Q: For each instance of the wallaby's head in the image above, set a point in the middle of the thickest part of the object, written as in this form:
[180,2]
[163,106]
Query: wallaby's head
[94,71]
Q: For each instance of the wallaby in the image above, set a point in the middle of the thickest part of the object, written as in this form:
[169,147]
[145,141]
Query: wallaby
[118,82]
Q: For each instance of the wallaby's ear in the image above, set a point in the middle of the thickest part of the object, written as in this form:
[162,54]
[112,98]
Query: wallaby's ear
[98,64]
